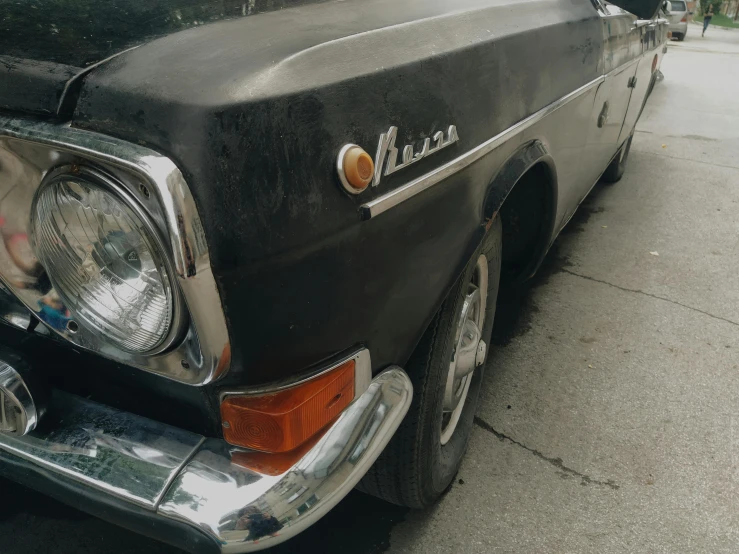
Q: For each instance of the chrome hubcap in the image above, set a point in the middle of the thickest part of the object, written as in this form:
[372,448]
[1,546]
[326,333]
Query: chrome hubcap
[469,350]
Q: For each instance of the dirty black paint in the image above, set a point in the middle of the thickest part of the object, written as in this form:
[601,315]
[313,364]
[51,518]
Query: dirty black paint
[300,278]
[32,86]
[84,32]
[44,43]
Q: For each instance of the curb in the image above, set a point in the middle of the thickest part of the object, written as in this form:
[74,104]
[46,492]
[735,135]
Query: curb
[699,24]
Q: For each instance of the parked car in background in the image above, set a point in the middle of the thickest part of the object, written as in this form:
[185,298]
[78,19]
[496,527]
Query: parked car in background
[678,17]
[251,251]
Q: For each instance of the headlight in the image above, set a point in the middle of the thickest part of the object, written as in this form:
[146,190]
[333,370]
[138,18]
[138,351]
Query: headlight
[104,261]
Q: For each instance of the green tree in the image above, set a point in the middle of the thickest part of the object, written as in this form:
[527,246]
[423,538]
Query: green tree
[716,6]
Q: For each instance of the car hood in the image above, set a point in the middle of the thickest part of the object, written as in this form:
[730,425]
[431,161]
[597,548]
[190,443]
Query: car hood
[46,43]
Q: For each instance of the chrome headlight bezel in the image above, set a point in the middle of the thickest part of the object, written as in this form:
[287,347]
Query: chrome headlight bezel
[199,352]
[85,335]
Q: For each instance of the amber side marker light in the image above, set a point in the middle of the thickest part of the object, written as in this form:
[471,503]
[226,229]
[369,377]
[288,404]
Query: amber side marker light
[355,167]
[284,420]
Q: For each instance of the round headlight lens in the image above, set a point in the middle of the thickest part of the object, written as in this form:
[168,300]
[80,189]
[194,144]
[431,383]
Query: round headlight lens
[104,263]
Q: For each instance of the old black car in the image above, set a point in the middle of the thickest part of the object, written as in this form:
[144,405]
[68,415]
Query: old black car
[251,249]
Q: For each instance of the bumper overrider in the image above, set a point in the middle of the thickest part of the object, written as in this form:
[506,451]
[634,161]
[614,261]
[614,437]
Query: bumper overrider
[199,493]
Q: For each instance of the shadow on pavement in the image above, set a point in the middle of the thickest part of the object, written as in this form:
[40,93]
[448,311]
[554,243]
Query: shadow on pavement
[33,523]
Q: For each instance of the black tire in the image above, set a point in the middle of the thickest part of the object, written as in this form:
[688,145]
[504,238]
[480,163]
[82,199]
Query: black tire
[680,38]
[616,168]
[415,468]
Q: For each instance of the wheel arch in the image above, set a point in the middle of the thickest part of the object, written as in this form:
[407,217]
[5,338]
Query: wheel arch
[524,194]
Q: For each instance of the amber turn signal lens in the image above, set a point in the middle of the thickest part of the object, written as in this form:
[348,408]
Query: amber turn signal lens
[358,168]
[272,463]
[284,420]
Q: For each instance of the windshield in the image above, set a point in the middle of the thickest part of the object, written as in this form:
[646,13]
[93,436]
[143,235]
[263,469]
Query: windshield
[678,6]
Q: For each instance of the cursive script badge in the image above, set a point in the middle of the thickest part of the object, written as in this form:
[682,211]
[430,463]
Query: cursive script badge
[387,153]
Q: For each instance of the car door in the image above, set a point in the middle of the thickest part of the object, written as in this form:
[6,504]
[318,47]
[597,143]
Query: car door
[621,54]
[649,42]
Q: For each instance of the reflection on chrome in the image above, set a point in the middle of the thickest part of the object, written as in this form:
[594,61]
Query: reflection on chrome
[121,454]
[246,509]
[241,500]
[195,349]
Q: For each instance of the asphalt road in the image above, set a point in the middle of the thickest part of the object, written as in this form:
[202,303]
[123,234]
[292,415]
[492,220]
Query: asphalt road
[609,419]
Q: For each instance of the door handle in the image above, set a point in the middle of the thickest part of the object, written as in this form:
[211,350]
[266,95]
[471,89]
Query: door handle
[632,82]
[603,117]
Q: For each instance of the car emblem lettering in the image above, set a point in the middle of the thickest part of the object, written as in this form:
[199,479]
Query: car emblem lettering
[387,153]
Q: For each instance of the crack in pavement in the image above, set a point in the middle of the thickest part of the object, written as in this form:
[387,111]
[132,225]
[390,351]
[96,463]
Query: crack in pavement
[649,294]
[556,462]
[684,159]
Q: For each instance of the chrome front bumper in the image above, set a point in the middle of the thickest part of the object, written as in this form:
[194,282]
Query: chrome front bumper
[201,494]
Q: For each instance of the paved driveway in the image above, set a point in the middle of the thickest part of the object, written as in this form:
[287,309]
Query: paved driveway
[609,419]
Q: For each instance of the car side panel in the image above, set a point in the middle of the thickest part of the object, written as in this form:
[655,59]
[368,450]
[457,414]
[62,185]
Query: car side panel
[255,125]
[652,39]
[620,59]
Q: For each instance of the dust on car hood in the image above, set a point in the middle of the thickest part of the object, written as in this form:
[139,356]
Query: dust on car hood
[45,43]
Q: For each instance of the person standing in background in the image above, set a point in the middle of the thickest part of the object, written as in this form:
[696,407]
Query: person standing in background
[707,19]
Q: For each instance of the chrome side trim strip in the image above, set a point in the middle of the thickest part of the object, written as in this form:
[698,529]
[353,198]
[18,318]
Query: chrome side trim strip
[401,194]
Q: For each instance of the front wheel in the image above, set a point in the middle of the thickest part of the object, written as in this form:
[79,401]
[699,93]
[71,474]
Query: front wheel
[446,369]
[616,168]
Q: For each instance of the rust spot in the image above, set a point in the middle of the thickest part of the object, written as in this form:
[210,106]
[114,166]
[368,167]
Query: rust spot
[489,222]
